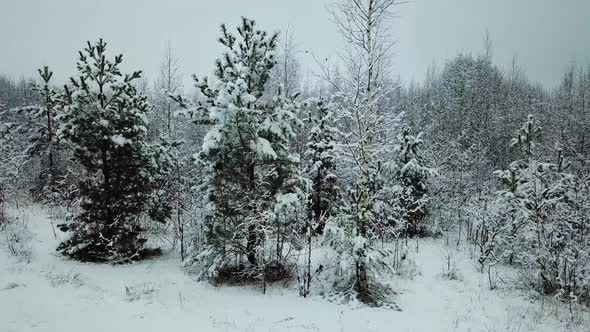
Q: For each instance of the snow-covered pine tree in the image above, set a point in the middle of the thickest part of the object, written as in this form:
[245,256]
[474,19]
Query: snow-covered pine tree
[321,164]
[545,232]
[245,155]
[38,124]
[516,195]
[104,118]
[513,194]
[282,174]
[413,177]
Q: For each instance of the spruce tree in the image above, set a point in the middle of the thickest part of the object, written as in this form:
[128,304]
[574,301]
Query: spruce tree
[412,176]
[104,118]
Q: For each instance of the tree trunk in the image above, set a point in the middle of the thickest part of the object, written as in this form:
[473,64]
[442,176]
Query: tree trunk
[252,237]
[251,245]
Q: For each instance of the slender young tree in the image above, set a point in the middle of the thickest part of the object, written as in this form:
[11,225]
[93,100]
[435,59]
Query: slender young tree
[38,124]
[364,26]
[168,126]
[287,72]
[168,82]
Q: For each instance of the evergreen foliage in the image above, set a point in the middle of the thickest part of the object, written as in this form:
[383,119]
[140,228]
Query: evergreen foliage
[321,164]
[104,118]
[412,177]
[250,173]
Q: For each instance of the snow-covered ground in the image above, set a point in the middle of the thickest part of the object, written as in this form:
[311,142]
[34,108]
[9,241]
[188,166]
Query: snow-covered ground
[54,294]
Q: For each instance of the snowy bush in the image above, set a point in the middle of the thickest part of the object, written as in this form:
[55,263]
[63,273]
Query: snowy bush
[449,266]
[141,292]
[18,239]
[11,285]
[408,269]
[60,279]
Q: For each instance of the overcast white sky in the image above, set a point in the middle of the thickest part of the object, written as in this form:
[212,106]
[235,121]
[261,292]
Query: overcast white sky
[546,34]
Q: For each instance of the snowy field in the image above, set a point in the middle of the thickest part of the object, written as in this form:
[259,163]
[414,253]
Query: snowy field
[54,294]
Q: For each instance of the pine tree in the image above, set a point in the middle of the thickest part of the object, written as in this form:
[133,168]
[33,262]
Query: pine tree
[44,148]
[249,169]
[515,194]
[545,232]
[361,266]
[321,164]
[282,175]
[104,118]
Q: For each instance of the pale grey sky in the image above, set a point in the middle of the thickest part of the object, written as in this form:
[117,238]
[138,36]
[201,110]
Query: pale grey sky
[546,34]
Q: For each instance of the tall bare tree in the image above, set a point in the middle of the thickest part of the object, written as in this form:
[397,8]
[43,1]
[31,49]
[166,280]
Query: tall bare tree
[365,26]
[168,82]
[287,72]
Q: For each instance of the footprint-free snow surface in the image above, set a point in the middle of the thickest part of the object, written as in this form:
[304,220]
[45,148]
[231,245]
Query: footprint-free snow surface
[58,295]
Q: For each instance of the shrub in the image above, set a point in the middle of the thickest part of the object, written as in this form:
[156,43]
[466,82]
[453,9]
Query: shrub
[18,239]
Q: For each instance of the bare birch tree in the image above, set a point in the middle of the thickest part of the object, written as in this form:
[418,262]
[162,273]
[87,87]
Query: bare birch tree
[361,91]
[169,82]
